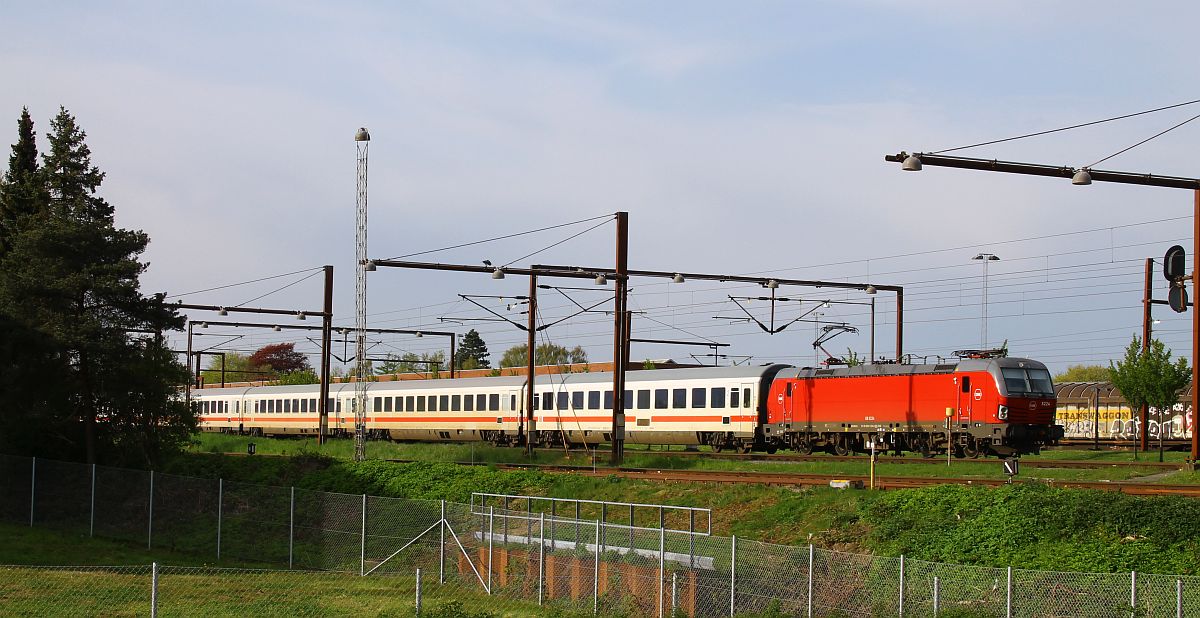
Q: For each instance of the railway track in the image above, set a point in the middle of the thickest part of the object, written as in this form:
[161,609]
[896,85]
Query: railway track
[1028,463]
[804,479]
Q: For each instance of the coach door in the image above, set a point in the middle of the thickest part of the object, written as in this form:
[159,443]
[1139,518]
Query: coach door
[966,398]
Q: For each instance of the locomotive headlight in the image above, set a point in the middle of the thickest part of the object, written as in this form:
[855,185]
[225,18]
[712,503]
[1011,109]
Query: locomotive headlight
[1002,413]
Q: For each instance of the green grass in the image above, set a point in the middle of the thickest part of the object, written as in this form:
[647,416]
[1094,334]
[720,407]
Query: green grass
[641,457]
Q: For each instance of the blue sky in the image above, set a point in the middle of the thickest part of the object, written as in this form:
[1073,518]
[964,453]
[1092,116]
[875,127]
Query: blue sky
[742,138]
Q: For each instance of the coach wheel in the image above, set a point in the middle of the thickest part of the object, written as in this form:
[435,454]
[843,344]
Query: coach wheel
[742,446]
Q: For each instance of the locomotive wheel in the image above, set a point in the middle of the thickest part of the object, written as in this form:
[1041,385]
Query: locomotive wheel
[841,448]
[972,449]
[772,448]
[804,446]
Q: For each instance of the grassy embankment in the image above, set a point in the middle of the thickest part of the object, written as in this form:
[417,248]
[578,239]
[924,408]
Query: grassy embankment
[1028,525]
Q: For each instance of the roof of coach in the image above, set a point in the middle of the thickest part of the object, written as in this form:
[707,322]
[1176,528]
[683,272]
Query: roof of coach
[966,364]
[690,373]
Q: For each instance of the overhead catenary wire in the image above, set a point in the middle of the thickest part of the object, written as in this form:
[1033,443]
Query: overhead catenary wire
[1067,128]
[504,237]
[233,285]
[1156,135]
[280,289]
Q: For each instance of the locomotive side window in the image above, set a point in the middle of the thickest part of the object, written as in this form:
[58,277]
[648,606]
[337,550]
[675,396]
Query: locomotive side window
[679,398]
[577,400]
[745,398]
[594,399]
[734,397]
[698,397]
[661,398]
[643,399]
[966,384]
[718,397]
[494,401]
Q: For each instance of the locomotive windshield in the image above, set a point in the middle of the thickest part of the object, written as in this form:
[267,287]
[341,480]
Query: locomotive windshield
[1032,382]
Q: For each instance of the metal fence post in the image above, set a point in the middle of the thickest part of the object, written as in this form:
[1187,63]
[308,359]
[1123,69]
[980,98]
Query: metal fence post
[901,586]
[442,548]
[1179,598]
[541,555]
[220,512]
[291,526]
[553,516]
[418,601]
[491,527]
[1133,593]
[505,507]
[150,518]
[810,579]
[662,566]
[732,573]
[1008,595]
[362,550]
[631,529]
[596,574]
[153,590]
[92,517]
[936,592]
[674,592]
[32,488]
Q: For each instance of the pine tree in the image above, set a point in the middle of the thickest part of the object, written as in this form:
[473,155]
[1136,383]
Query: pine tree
[73,278]
[20,191]
[472,352]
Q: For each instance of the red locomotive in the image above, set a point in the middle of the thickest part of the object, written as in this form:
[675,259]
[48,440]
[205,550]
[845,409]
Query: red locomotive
[976,406]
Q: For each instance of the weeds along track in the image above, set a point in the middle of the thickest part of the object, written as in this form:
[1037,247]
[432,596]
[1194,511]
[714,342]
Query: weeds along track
[937,460]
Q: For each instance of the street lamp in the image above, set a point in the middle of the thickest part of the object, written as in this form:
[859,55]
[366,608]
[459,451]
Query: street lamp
[985,258]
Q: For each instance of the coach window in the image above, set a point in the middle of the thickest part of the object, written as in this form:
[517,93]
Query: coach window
[469,403]
[432,404]
[734,397]
[312,405]
[512,402]
[304,405]
[628,401]
[966,384]
[698,397]
[643,399]
[399,404]
[679,398]
[295,405]
[409,403]
[608,400]
[745,398]
[444,403]
[662,398]
[594,399]
[387,404]
[577,400]
[377,405]
[421,404]
[537,401]
[481,402]
[718,398]
[287,406]
[547,401]
[494,401]
[456,403]
[563,403]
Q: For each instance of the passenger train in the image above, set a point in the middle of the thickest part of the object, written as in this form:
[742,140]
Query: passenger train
[974,406]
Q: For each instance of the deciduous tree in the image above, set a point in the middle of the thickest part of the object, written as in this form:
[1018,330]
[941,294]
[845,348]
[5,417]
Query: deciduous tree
[544,354]
[280,358]
[1084,373]
[1150,378]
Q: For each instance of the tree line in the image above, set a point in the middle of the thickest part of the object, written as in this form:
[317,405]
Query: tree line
[84,369]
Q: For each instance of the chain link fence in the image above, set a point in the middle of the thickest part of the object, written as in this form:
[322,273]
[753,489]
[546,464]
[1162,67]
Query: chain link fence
[338,554]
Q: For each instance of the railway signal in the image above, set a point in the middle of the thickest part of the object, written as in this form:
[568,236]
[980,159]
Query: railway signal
[1012,466]
[1175,271]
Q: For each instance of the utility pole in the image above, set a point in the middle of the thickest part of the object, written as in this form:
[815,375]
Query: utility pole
[326,341]
[531,341]
[620,336]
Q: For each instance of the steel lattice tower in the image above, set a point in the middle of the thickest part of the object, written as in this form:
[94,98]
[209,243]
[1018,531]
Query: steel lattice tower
[362,367]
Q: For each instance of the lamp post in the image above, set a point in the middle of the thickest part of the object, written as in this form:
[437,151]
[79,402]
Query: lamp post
[1085,176]
[985,258]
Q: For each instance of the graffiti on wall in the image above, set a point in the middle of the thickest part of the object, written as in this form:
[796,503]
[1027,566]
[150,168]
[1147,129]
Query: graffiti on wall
[1119,422]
